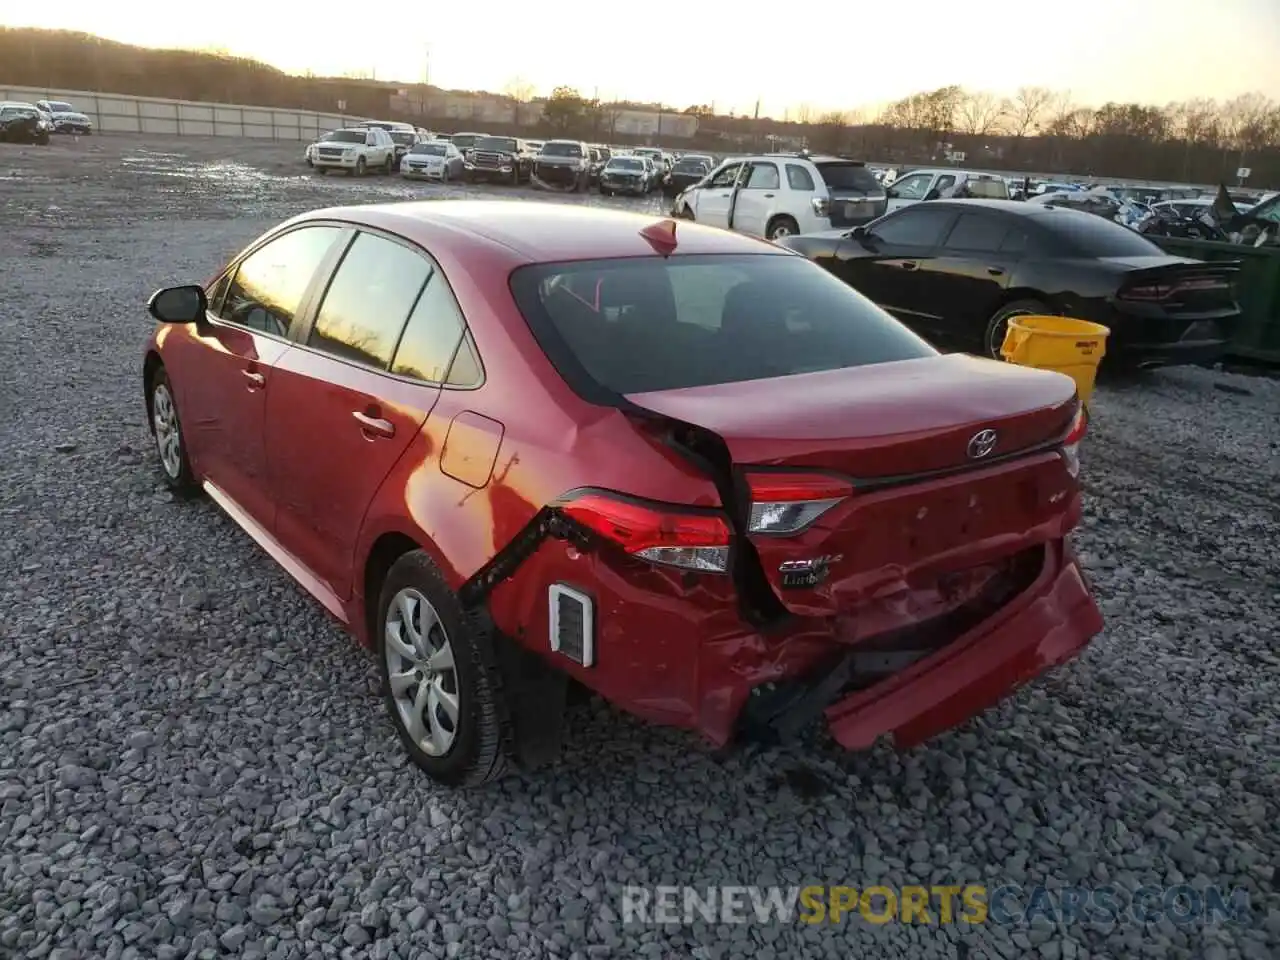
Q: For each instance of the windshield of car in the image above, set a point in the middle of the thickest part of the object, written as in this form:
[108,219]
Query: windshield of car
[653,323]
[19,111]
[696,167]
[59,106]
[1084,235]
[624,163]
[430,149]
[348,136]
[562,150]
[464,141]
[848,176]
[501,144]
[403,137]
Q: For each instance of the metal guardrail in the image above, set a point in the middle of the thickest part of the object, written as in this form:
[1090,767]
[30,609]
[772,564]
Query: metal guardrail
[118,113]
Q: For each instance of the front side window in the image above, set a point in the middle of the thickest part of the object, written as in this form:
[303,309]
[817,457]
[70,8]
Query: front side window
[726,176]
[652,323]
[270,283]
[913,227]
[368,301]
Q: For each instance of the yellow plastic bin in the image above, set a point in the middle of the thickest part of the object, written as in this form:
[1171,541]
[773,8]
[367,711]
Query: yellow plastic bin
[1073,347]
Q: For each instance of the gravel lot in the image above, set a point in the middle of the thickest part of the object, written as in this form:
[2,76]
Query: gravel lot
[194,761]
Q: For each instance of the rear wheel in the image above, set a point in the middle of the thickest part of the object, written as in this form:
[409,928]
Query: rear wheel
[166,428]
[439,679]
[998,325]
[781,227]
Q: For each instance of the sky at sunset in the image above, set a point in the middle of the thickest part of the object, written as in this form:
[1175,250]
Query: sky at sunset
[830,54]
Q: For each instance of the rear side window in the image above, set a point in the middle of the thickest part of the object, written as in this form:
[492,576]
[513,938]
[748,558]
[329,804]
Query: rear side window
[798,178]
[368,301]
[920,226]
[270,283]
[637,325]
[848,176]
[764,176]
[977,233]
[1084,235]
[432,335]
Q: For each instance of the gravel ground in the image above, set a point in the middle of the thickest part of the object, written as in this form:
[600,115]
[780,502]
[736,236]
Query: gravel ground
[194,761]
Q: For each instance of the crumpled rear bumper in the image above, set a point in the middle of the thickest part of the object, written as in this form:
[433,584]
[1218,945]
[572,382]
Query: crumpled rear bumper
[1049,624]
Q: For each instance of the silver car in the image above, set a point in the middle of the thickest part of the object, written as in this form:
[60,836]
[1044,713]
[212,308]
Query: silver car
[432,160]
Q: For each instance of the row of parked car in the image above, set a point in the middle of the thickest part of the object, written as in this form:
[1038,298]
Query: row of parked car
[375,146]
[22,122]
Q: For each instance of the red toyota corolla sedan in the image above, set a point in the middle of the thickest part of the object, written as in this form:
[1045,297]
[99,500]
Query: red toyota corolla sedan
[515,445]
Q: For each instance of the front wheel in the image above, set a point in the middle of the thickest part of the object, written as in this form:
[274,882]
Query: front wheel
[998,325]
[439,679]
[389,167]
[361,167]
[166,428]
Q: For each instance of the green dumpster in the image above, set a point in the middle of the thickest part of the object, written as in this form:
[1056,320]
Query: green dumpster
[1257,289]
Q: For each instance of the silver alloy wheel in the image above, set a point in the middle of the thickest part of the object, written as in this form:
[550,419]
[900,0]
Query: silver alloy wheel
[421,673]
[168,434]
[780,230]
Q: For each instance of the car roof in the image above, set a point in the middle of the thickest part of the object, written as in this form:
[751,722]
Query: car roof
[1018,208]
[536,232]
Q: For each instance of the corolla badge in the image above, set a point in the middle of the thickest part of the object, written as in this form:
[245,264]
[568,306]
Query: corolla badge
[981,444]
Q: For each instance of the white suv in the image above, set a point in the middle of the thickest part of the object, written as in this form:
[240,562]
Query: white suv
[916,186]
[355,150]
[778,194]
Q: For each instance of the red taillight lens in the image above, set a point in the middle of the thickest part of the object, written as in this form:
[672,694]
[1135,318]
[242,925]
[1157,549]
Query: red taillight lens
[1071,444]
[785,503]
[1148,292]
[655,532]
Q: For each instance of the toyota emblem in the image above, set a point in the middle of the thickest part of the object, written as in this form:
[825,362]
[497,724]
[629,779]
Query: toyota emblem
[981,444]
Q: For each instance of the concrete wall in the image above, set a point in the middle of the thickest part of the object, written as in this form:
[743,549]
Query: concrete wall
[118,113]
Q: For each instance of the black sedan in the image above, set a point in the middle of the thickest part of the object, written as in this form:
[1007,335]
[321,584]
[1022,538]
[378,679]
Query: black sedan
[22,123]
[684,174]
[956,271]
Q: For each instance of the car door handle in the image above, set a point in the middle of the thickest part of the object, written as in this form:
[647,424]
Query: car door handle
[769,196]
[374,425]
[908,264]
[255,379]
[996,271]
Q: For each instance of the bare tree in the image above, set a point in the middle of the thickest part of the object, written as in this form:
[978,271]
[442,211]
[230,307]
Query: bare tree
[981,113]
[804,114]
[1027,110]
[520,91]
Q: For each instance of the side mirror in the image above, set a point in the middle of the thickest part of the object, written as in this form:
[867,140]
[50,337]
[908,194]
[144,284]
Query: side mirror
[860,234]
[178,304]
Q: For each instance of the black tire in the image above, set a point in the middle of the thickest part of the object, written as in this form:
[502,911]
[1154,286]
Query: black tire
[444,177]
[783,226]
[606,192]
[389,167]
[361,167]
[998,325]
[322,171]
[482,744]
[176,472]
[686,213]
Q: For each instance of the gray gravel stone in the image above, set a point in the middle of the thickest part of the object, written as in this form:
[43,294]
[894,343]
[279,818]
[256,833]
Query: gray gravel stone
[193,763]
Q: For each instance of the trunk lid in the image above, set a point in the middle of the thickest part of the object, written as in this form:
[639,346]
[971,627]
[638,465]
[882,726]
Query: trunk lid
[927,525]
[1178,286]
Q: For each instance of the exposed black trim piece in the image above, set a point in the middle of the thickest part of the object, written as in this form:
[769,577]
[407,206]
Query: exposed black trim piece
[546,523]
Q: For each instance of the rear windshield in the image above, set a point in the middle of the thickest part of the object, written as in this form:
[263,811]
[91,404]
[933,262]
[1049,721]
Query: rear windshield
[562,150]
[848,176]
[465,140]
[1084,235]
[624,163]
[643,324]
[689,166]
[404,137]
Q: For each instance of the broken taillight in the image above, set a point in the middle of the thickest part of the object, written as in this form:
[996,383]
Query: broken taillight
[1071,444]
[786,503]
[675,536]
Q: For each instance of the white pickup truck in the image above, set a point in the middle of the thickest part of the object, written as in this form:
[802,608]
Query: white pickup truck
[357,151]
